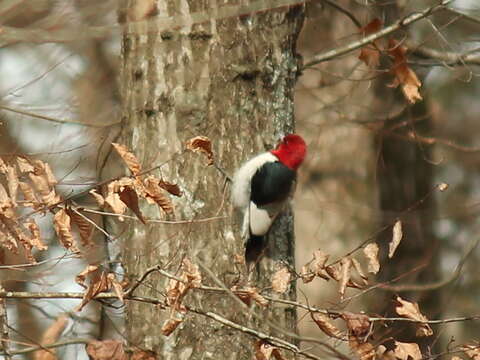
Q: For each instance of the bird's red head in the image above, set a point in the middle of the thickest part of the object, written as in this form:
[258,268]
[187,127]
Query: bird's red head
[291,151]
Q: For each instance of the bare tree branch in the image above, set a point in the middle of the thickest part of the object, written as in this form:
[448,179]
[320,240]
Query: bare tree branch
[399,24]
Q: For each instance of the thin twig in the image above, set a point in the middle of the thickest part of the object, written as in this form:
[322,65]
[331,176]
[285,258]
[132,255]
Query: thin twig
[55,120]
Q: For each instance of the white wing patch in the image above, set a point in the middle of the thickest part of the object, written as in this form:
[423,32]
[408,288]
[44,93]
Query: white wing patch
[242,180]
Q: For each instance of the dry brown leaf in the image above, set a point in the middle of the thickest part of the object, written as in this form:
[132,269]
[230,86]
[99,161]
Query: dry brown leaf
[85,228]
[35,239]
[407,351]
[6,204]
[364,350]
[396,238]
[334,272]
[191,273]
[306,274]
[63,228]
[249,293]
[43,183]
[370,53]
[170,325]
[98,283]
[24,165]
[116,204]
[201,144]
[81,278]
[317,266]
[129,197]
[404,75]
[7,240]
[411,310]
[325,325]
[98,198]
[155,193]
[116,286]
[358,324]
[281,280]
[128,157]
[263,350]
[359,270]
[50,336]
[173,189]
[106,350]
[345,273]
[28,195]
[456,358]
[472,351]
[371,253]
[12,183]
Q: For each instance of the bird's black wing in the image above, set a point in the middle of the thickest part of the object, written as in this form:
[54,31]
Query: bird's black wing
[271,183]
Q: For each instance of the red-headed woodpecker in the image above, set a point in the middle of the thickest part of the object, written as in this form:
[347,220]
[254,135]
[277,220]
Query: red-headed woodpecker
[261,188]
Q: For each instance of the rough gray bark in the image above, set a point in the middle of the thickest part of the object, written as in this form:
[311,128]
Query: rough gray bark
[231,80]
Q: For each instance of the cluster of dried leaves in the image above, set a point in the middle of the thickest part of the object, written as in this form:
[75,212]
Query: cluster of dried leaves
[30,184]
[125,192]
[99,281]
[359,328]
[348,272]
[176,292]
[119,195]
[404,76]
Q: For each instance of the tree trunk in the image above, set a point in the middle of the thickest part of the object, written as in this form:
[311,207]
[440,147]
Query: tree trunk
[405,192]
[230,79]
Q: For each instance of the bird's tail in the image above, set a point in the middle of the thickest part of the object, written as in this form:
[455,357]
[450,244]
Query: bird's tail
[254,248]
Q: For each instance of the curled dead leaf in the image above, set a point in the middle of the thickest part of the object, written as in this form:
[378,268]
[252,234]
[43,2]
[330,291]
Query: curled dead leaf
[30,199]
[281,280]
[404,75]
[85,228]
[306,274]
[411,310]
[128,157]
[345,273]
[358,268]
[371,253]
[370,53]
[472,350]
[407,351]
[98,198]
[249,293]
[323,322]
[396,238]
[129,197]
[173,189]
[63,228]
[24,165]
[265,351]
[358,324]
[155,193]
[201,144]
